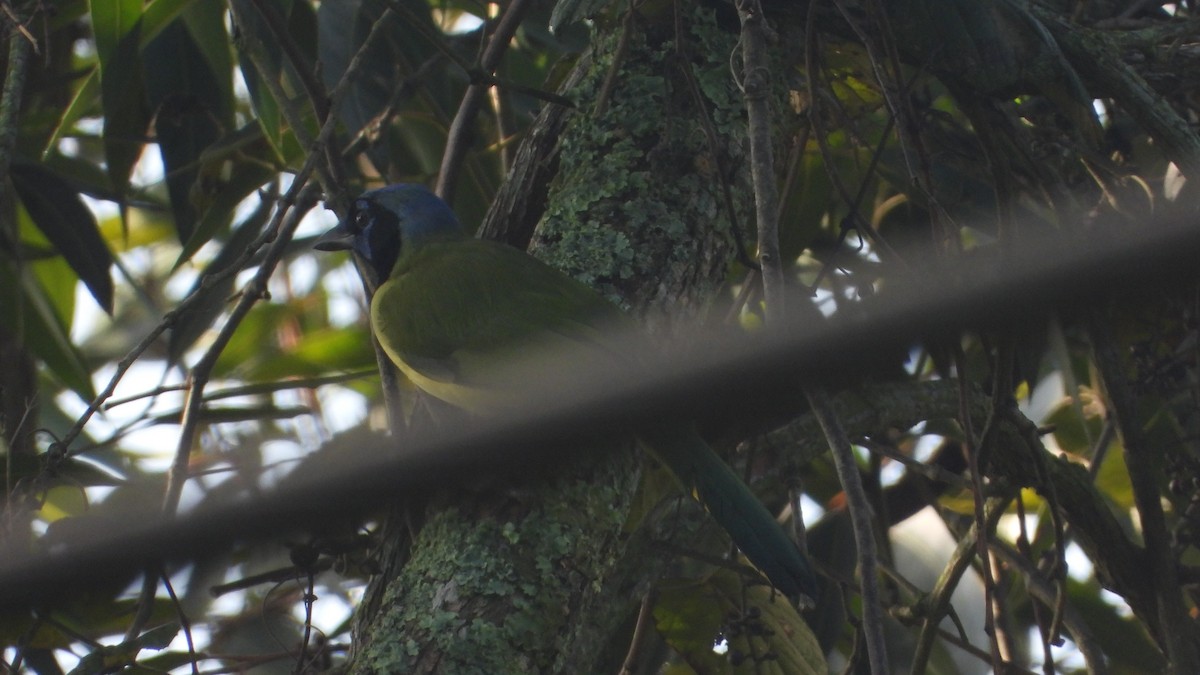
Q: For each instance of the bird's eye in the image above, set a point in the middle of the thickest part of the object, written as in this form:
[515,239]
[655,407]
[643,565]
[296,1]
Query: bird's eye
[362,219]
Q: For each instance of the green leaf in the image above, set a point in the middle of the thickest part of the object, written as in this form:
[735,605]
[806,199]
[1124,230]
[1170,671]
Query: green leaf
[186,96]
[113,22]
[158,638]
[91,471]
[51,273]
[271,59]
[159,14]
[42,330]
[1073,434]
[318,352]
[254,352]
[206,23]
[57,280]
[116,25]
[340,36]
[763,632]
[169,661]
[85,176]
[69,226]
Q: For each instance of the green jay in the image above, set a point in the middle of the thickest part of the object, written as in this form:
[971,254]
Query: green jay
[450,309]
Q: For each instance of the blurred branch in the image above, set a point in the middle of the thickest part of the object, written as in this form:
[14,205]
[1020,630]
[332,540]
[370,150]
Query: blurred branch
[717,374]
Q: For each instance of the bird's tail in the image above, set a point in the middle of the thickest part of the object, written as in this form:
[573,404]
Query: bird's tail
[735,508]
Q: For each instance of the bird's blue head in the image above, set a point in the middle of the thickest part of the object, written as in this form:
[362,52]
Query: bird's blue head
[384,222]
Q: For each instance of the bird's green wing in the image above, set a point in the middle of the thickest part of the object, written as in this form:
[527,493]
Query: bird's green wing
[461,317]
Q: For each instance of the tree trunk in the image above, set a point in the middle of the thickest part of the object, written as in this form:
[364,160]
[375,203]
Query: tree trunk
[540,576]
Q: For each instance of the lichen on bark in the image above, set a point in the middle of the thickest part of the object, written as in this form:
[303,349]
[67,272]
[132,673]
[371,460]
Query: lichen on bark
[637,209]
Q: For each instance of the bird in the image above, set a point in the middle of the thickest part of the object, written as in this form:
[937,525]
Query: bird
[449,308]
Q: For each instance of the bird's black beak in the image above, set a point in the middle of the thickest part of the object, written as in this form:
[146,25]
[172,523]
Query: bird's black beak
[339,238]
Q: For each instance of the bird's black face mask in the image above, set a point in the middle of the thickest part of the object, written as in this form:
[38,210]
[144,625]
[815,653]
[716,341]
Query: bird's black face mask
[372,232]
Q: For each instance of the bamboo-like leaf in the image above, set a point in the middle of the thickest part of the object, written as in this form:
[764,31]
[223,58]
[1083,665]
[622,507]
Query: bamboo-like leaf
[116,24]
[159,14]
[267,62]
[68,225]
[43,331]
[186,97]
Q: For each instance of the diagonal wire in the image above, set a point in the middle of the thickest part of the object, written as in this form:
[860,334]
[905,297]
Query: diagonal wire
[729,374]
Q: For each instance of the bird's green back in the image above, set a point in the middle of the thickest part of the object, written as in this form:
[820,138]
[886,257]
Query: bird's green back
[456,313]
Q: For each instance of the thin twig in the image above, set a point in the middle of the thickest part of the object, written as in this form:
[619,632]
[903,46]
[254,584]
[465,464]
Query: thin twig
[457,137]
[1047,592]
[168,321]
[756,86]
[249,389]
[185,624]
[973,446]
[309,598]
[1039,617]
[860,516]
[255,290]
[938,603]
